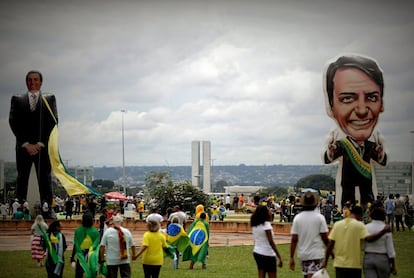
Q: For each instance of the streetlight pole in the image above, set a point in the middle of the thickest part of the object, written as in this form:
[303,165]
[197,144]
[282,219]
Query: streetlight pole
[412,161]
[212,176]
[412,145]
[123,152]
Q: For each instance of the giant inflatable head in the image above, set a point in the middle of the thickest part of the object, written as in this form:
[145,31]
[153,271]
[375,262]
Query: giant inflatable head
[354,88]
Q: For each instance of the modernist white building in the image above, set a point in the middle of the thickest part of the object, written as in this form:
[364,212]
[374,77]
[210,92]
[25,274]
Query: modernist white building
[195,163]
[196,175]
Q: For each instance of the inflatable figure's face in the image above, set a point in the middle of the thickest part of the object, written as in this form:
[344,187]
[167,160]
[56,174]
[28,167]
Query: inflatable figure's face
[33,82]
[357,103]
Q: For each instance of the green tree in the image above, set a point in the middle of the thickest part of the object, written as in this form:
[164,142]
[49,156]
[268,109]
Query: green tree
[275,190]
[220,186]
[105,185]
[58,189]
[318,182]
[156,179]
[167,194]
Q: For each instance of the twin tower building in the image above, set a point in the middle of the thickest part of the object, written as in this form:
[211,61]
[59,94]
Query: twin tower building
[201,173]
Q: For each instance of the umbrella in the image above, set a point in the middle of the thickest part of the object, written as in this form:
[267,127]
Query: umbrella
[115,195]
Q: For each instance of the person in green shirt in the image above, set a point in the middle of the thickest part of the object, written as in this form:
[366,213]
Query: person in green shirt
[86,248]
[18,215]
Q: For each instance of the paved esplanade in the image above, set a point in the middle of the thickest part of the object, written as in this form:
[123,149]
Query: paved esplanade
[20,240]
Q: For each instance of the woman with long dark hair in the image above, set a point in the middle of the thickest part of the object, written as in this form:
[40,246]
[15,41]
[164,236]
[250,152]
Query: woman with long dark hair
[265,250]
[55,243]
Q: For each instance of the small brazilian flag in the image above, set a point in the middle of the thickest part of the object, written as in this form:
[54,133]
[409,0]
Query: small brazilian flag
[177,237]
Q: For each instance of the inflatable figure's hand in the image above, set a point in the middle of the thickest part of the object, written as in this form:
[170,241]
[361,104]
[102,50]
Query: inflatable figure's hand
[379,141]
[332,138]
[32,149]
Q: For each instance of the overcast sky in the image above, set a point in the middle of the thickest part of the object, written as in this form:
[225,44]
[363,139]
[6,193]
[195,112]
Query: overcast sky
[244,75]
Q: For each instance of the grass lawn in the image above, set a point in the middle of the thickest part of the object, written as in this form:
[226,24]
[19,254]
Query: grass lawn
[222,262]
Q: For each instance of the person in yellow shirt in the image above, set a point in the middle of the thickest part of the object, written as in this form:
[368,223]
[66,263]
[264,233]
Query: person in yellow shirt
[54,204]
[214,210]
[153,243]
[141,209]
[345,242]
[199,210]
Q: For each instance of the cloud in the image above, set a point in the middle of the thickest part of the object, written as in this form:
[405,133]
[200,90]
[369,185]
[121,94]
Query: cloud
[247,77]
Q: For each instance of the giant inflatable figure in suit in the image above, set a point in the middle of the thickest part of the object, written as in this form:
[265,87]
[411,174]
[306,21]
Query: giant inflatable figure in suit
[31,123]
[354,89]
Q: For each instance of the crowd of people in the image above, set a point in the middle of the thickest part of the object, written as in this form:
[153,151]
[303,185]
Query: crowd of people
[68,206]
[15,210]
[110,249]
[312,244]
[398,208]
[311,214]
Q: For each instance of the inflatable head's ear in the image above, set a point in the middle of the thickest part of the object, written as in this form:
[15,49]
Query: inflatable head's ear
[364,63]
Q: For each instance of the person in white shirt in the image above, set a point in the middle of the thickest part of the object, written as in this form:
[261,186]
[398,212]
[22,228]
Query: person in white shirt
[16,205]
[115,245]
[379,259]
[264,250]
[60,203]
[45,210]
[4,210]
[155,216]
[228,202]
[309,235]
[182,216]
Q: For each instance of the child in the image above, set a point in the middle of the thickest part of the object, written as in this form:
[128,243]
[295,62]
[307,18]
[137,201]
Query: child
[55,243]
[177,237]
[153,243]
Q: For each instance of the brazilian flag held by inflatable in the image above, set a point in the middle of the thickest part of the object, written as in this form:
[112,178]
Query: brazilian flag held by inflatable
[70,183]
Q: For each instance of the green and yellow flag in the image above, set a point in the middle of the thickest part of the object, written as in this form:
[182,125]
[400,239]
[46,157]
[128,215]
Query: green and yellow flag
[199,234]
[363,167]
[48,243]
[177,237]
[169,251]
[70,183]
[87,238]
